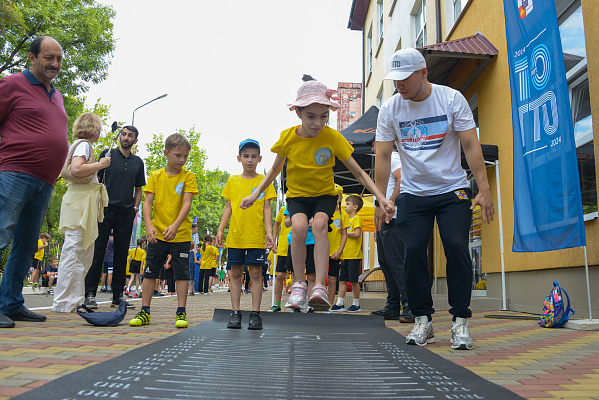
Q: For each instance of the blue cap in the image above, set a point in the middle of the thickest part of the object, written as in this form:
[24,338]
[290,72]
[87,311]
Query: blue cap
[247,141]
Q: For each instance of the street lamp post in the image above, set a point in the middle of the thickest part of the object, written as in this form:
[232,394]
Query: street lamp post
[157,98]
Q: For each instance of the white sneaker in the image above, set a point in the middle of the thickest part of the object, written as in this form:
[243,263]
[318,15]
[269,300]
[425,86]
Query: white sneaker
[422,332]
[297,298]
[460,335]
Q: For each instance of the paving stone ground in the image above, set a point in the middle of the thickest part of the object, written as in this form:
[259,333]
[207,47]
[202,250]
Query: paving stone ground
[533,362]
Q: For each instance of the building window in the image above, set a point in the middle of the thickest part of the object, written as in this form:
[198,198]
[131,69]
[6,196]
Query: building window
[379,97]
[352,114]
[575,61]
[379,11]
[457,9]
[420,19]
[369,52]
[353,99]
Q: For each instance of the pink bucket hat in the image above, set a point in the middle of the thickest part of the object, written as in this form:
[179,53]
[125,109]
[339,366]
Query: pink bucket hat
[315,92]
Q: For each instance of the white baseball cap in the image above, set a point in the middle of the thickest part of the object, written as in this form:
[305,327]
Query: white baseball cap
[404,62]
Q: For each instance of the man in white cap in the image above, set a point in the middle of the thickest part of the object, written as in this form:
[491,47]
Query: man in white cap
[429,122]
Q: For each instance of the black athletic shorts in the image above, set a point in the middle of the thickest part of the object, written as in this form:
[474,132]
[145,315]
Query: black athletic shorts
[312,205]
[282,264]
[350,270]
[156,257]
[334,267]
[134,267]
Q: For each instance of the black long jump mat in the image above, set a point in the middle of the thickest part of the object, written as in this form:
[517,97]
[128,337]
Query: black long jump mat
[296,356]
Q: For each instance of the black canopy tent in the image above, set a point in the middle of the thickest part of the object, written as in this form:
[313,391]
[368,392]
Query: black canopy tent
[361,134]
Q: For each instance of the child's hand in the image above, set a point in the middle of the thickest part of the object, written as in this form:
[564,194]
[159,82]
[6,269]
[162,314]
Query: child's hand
[219,239]
[170,233]
[104,162]
[269,241]
[151,234]
[389,208]
[336,255]
[248,201]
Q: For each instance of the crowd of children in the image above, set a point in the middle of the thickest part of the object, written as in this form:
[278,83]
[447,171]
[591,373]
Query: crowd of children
[319,242]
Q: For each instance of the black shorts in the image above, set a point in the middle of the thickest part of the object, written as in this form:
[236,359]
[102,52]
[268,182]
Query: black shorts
[212,271]
[334,267]
[350,270]
[282,264]
[312,205]
[256,257]
[310,267]
[156,257]
[37,264]
[134,267]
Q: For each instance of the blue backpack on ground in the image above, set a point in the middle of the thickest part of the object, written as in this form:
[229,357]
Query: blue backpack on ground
[555,313]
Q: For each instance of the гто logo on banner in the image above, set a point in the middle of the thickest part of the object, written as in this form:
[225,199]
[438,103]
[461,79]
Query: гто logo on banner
[537,107]
[524,8]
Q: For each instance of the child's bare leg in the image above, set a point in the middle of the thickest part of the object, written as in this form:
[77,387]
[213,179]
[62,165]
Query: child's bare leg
[279,279]
[321,246]
[355,288]
[257,283]
[332,288]
[236,275]
[298,245]
[147,288]
[182,286]
[311,278]
[342,289]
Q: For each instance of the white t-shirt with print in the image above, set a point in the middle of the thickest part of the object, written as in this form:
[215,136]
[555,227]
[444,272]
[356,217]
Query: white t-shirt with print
[83,149]
[425,133]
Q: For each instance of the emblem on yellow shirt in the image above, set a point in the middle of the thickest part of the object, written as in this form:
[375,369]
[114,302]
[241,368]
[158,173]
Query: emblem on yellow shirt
[322,156]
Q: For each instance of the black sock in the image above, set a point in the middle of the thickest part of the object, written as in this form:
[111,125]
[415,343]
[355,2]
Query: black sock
[256,312]
[180,309]
[146,309]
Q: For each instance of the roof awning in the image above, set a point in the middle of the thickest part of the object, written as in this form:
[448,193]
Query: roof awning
[443,58]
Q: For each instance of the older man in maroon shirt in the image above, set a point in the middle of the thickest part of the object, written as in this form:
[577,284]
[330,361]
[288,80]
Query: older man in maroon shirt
[33,148]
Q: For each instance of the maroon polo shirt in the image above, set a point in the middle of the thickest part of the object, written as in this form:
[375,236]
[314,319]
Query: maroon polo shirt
[33,128]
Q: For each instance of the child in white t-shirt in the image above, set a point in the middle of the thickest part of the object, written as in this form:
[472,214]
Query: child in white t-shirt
[81,210]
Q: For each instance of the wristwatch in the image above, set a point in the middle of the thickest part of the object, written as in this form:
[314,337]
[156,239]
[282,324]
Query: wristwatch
[376,203]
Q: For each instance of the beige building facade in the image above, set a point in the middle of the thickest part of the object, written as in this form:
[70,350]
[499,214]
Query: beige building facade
[444,30]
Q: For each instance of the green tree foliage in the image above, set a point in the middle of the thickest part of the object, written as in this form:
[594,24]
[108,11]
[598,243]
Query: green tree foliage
[208,206]
[82,27]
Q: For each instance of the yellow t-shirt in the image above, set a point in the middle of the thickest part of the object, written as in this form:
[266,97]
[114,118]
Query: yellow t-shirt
[246,229]
[137,254]
[340,221]
[310,161]
[168,200]
[353,246]
[39,255]
[282,243]
[209,255]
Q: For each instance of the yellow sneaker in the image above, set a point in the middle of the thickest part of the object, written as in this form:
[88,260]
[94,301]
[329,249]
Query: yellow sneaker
[142,318]
[181,320]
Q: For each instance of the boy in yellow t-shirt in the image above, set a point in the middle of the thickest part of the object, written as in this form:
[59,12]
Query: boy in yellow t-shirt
[37,265]
[209,254]
[337,240]
[310,150]
[281,248]
[135,264]
[351,266]
[169,193]
[250,231]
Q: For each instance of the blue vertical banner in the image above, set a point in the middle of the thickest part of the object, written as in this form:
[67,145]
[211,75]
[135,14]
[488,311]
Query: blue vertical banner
[547,200]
